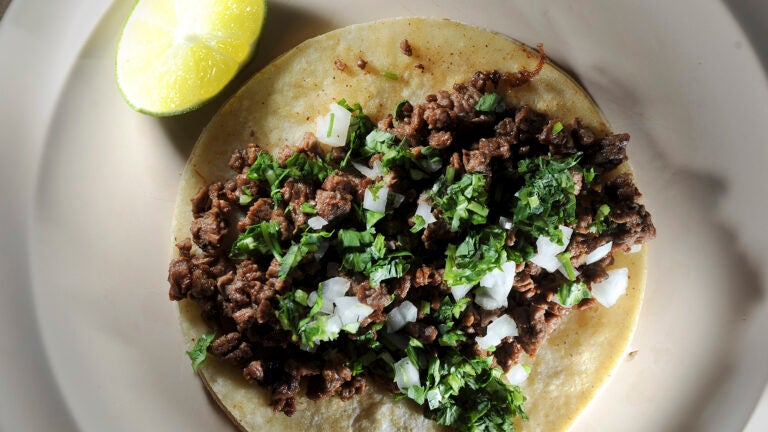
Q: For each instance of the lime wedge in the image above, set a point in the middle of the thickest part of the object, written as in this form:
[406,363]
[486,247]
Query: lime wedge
[175,55]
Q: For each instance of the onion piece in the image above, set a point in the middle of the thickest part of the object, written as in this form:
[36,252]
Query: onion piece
[316,222]
[547,250]
[376,203]
[397,199]
[350,310]
[332,128]
[425,210]
[607,292]
[599,253]
[495,287]
[636,248]
[322,248]
[517,374]
[371,173]
[333,288]
[433,165]
[460,291]
[506,223]
[406,374]
[400,316]
[497,330]
[565,272]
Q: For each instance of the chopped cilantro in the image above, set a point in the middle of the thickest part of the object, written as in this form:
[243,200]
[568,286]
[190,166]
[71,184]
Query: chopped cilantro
[557,128]
[571,293]
[299,166]
[490,102]
[418,223]
[310,242]
[547,198]
[200,350]
[246,196]
[467,394]
[389,75]
[308,208]
[589,174]
[371,217]
[565,260]
[399,108]
[479,253]
[462,202]
[330,125]
[598,224]
[360,125]
[261,238]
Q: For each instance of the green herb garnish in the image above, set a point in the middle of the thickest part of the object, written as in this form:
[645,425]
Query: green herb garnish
[557,128]
[571,293]
[479,253]
[308,208]
[360,125]
[565,260]
[259,239]
[547,198]
[330,125]
[299,167]
[389,75]
[200,350]
[462,202]
[598,224]
[490,102]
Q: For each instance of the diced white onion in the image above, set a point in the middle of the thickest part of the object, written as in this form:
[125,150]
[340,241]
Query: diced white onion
[424,210]
[517,374]
[599,253]
[333,288]
[351,310]
[547,250]
[495,287]
[636,248]
[400,316]
[339,128]
[499,329]
[371,173]
[460,291]
[333,325]
[376,203]
[316,222]
[608,291]
[505,223]
[397,199]
[433,165]
[406,374]
[322,248]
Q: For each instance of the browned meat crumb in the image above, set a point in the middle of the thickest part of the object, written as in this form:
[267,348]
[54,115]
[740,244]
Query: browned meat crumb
[405,47]
[361,63]
[340,65]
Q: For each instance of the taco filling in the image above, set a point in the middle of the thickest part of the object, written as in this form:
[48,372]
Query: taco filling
[431,251]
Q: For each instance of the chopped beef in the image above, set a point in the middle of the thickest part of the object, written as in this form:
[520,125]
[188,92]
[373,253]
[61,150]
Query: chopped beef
[253,303]
[405,47]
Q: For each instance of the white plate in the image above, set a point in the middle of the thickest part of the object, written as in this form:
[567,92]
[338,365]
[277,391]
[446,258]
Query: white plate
[90,341]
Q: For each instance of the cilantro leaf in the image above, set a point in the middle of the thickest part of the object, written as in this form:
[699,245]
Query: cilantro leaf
[598,224]
[299,166]
[490,102]
[418,223]
[200,350]
[360,126]
[565,260]
[463,202]
[261,238]
[547,198]
[310,242]
[308,208]
[557,128]
[479,253]
[571,293]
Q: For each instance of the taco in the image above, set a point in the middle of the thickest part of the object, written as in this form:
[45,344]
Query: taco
[460,249]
